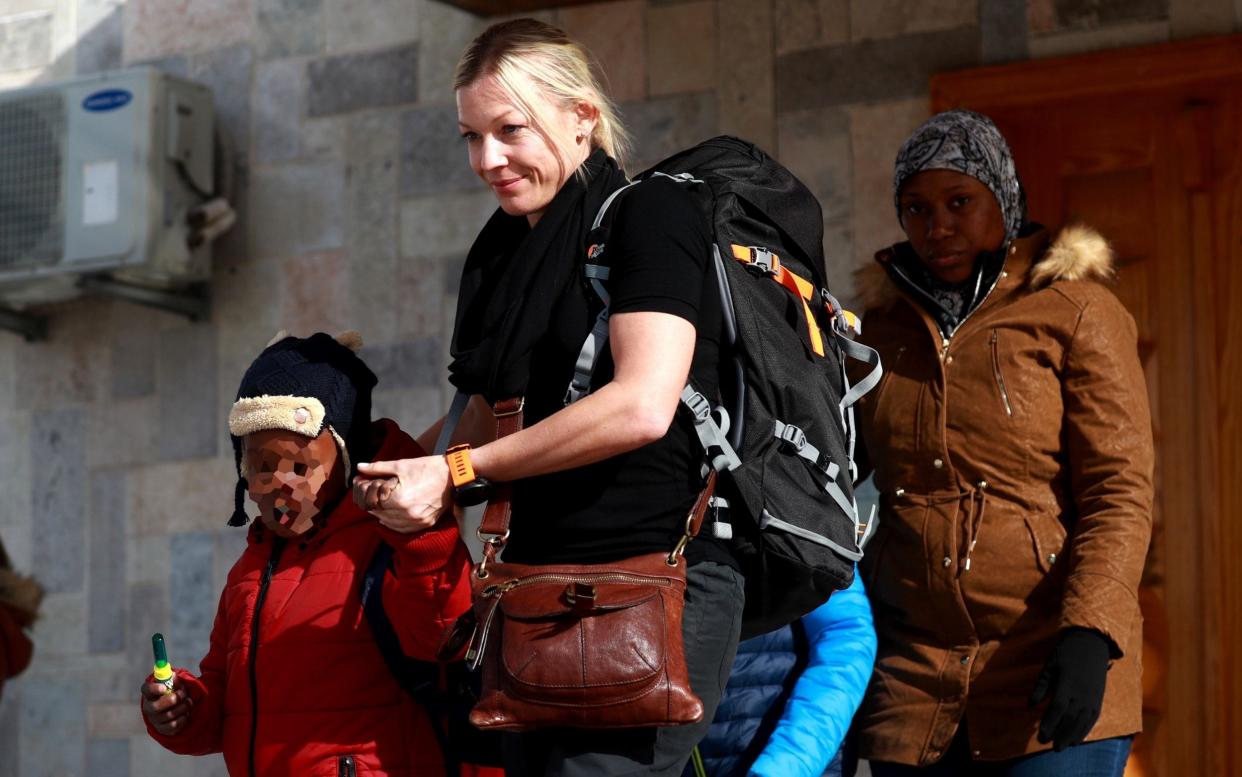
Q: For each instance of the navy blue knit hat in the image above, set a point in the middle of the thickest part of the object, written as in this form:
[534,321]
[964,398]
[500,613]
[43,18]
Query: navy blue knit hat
[304,385]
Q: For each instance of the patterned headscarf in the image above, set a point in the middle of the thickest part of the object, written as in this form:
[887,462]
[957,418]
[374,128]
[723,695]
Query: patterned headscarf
[969,143]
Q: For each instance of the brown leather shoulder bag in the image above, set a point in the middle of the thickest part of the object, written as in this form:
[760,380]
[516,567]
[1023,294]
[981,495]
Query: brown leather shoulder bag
[583,646]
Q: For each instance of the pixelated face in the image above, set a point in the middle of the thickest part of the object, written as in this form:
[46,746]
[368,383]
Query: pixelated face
[293,479]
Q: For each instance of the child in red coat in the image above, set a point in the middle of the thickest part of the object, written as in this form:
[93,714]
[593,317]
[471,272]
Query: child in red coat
[294,683]
[19,606]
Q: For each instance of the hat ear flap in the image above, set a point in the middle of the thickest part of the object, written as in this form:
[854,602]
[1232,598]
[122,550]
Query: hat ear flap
[239,517]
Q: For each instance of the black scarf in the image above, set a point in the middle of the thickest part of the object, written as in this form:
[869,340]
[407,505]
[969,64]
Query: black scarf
[950,303]
[514,276]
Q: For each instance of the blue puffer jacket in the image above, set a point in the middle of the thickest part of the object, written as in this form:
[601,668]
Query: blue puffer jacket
[793,692]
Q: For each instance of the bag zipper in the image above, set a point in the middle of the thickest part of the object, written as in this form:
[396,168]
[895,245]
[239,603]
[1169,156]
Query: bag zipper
[501,589]
[278,544]
[996,371]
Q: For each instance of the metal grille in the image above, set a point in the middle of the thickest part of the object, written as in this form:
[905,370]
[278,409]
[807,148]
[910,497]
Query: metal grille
[31,214]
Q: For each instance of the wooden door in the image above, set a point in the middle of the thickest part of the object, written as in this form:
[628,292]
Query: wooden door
[1145,145]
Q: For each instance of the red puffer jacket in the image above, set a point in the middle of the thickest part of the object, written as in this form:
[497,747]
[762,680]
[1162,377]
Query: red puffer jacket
[295,685]
[19,602]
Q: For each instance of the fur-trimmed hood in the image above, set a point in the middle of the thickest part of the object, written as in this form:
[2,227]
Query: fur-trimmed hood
[1077,253]
[22,593]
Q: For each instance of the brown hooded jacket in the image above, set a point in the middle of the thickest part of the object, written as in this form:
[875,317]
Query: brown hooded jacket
[1014,463]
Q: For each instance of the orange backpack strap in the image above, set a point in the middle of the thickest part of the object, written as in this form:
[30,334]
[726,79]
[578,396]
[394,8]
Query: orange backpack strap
[771,265]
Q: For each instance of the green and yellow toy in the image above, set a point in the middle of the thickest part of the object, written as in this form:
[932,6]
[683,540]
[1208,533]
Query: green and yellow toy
[163,670]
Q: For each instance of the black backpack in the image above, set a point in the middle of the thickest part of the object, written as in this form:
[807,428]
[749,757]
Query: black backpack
[783,428]
[447,691]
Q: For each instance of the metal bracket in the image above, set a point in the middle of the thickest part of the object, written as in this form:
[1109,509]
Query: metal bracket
[32,328]
[193,302]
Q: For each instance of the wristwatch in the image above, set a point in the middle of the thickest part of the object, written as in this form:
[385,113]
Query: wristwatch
[468,488]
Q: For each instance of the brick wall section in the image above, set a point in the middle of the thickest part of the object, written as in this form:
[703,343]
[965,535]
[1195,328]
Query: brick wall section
[356,209]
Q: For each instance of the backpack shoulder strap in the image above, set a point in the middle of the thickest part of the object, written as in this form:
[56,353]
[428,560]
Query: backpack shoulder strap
[451,419]
[596,273]
[420,679]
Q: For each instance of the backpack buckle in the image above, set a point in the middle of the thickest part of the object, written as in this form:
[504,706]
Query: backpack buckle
[793,437]
[764,261]
[697,404]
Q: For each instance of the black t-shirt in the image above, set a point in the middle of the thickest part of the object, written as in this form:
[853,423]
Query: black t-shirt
[658,252]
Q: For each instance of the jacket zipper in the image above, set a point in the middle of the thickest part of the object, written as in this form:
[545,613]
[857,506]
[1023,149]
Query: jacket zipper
[1000,378]
[945,339]
[278,544]
[345,767]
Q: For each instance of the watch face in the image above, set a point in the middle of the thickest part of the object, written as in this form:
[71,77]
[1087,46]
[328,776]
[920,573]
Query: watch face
[475,492]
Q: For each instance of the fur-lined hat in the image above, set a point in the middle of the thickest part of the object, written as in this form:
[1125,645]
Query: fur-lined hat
[304,385]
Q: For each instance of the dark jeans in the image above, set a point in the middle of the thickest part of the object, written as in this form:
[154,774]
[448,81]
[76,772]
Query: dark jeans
[712,621]
[1101,758]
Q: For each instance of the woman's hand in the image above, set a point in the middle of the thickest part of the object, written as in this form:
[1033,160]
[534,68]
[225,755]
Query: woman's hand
[168,711]
[407,495]
[1073,677]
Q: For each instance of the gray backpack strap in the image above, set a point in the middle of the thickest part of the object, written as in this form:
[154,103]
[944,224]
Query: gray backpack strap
[596,341]
[712,433]
[593,346]
[841,330]
[767,519]
[460,400]
[599,216]
[794,441]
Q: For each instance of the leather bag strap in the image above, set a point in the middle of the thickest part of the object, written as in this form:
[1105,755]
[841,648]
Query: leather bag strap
[494,528]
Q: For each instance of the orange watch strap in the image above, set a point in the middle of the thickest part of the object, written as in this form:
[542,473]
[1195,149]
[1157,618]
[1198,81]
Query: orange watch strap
[460,468]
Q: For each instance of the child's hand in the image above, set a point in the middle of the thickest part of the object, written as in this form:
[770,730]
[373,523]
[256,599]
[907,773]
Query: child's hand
[168,712]
[406,496]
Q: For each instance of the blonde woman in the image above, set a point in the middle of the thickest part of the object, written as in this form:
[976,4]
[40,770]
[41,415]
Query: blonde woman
[614,475]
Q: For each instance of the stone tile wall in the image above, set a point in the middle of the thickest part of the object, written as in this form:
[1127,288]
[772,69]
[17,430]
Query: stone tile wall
[356,209]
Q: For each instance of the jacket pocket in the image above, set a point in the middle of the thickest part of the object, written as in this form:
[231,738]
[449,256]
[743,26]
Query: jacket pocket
[890,366]
[1047,540]
[1000,376]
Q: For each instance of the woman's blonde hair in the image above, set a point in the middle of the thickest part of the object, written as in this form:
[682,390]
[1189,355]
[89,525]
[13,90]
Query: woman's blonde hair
[555,65]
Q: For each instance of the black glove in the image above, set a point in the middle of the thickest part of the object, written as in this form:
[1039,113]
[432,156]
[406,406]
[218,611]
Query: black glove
[1074,677]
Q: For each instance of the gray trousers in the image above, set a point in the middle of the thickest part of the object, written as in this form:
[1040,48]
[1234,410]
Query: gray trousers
[711,623]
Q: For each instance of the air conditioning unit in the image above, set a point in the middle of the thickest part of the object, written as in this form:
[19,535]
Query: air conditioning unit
[97,175]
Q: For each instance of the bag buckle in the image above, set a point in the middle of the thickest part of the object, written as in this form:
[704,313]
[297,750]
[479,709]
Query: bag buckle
[793,437]
[580,596]
[509,411]
[492,545]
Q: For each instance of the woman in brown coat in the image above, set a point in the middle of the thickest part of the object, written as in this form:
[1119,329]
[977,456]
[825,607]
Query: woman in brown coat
[1012,450]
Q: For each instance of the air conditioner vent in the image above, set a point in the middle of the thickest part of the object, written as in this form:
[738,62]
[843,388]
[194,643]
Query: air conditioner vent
[32,216]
